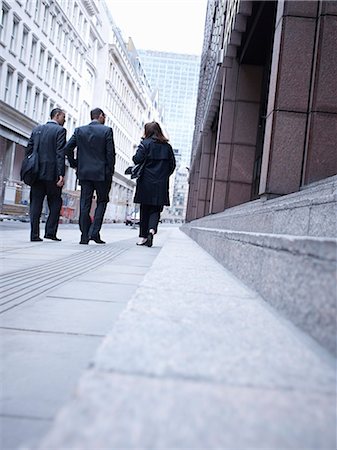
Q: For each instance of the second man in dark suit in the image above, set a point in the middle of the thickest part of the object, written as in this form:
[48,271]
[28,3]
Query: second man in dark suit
[94,163]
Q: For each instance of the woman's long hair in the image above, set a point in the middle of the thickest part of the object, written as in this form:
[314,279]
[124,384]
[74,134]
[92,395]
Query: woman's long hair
[153,129]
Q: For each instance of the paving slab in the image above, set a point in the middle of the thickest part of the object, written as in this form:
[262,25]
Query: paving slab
[17,431]
[99,289]
[64,315]
[34,384]
[154,413]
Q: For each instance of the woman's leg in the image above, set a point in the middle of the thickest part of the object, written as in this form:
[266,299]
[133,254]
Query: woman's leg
[154,216]
[144,220]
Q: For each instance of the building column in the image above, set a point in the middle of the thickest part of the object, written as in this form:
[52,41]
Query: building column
[320,153]
[191,212]
[204,176]
[234,166]
[289,94]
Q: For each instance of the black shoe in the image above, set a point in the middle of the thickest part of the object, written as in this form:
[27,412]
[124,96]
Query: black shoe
[53,238]
[97,240]
[84,241]
[36,239]
[149,241]
[143,243]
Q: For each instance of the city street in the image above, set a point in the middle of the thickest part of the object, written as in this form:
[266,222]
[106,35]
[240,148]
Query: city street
[113,346]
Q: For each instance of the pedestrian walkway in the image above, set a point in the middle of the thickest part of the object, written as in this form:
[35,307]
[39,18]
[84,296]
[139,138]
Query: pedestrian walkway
[193,359]
[58,301]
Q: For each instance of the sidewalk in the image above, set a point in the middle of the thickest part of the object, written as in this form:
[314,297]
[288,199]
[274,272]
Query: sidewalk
[193,359]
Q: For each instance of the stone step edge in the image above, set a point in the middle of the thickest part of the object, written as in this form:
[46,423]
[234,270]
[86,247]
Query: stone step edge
[324,249]
[309,197]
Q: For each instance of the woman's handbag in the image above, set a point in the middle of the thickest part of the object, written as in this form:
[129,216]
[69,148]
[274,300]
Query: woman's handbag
[135,171]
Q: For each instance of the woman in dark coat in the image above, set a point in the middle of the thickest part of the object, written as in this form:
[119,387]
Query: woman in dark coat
[152,191]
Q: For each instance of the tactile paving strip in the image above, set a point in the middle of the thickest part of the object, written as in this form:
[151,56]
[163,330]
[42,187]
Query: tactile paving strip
[23,285]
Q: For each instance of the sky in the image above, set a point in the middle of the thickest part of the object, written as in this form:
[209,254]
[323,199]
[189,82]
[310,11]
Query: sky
[175,26]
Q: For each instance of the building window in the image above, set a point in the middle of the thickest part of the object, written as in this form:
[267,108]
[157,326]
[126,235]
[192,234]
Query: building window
[66,95]
[36,104]
[37,11]
[45,19]
[28,7]
[8,84]
[52,28]
[32,53]
[65,42]
[41,61]
[18,92]
[14,35]
[72,92]
[24,41]
[3,21]
[48,68]
[28,98]
[80,22]
[61,82]
[44,108]
[75,15]
[59,34]
[55,74]
[77,96]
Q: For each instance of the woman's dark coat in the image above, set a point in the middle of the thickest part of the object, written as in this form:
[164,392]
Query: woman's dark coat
[153,185]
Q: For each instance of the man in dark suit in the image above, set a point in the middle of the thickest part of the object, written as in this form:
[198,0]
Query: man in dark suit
[94,163]
[49,141]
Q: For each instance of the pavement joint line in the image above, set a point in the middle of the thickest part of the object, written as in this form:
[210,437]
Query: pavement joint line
[210,294]
[96,300]
[107,282]
[22,416]
[67,333]
[211,381]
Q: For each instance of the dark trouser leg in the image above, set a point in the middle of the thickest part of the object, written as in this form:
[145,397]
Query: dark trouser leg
[154,217]
[144,220]
[37,194]
[102,190]
[87,191]
[54,200]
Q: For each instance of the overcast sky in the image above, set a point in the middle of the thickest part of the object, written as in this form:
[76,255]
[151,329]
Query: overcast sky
[165,25]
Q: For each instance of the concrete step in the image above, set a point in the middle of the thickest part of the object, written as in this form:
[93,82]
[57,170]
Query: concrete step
[295,274]
[309,212]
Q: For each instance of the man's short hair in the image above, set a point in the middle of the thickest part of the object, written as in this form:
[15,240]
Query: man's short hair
[95,113]
[55,111]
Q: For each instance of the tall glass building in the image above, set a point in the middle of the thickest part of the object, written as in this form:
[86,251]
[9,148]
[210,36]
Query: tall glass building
[176,76]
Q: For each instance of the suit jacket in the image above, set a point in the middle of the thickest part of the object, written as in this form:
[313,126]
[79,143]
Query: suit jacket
[95,157]
[153,185]
[49,141]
